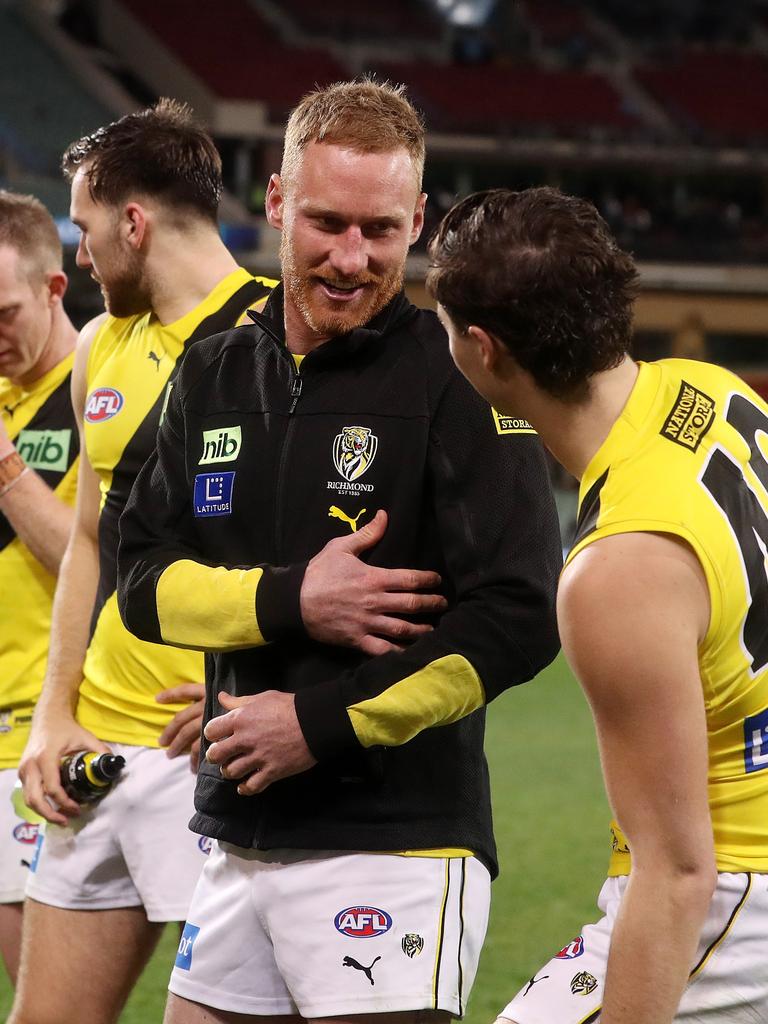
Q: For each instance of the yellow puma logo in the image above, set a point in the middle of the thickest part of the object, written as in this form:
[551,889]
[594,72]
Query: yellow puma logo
[336,513]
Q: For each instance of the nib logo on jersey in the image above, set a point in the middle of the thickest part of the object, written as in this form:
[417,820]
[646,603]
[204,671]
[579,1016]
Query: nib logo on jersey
[362,922]
[45,449]
[102,404]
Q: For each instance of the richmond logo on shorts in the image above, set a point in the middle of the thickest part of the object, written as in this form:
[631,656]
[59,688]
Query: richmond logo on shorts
[583,984]
[691,417]
[354,450]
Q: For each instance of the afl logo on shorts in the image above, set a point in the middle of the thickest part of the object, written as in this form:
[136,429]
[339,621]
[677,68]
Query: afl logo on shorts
[205,843]
[362,922]
[103,404]
[573,949]
[25,832]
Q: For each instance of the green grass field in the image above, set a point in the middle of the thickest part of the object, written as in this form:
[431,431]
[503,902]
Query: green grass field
[551,825]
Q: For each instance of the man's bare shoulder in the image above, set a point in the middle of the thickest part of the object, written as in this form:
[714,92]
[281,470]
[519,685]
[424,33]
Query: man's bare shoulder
[623,598]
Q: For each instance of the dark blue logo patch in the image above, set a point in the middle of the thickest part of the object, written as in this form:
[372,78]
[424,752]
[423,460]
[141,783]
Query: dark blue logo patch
[756,742]
[213,494]
[184,955]
[205,843]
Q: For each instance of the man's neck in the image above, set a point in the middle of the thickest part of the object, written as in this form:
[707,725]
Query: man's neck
[183,275]
[574,433]
[300,338]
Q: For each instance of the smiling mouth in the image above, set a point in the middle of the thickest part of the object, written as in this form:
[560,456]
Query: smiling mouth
[340,292]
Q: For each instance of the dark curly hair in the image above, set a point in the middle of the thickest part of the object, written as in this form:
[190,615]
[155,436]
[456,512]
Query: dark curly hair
[540,271]
[160,151]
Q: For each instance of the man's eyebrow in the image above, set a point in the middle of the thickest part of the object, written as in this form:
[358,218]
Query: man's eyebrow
[320,211]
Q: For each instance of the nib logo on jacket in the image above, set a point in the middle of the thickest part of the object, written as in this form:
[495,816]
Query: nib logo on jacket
[221,445]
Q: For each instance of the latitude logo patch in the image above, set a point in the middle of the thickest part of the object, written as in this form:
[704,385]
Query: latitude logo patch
[45,449]
[354,450]
[691,417]
[511,424]
[102,404]
[756,742]
[221,445]
[213,494]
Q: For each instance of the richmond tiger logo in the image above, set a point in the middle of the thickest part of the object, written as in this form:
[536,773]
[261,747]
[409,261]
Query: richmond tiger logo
[354,450]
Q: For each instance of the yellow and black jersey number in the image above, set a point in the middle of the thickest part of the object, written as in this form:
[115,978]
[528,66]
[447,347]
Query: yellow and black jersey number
[747,515]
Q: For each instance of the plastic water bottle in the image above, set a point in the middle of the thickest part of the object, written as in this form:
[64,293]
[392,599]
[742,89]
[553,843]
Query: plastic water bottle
[87,776]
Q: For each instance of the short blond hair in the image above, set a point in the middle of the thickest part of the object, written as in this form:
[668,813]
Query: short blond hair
[364,115]
[27,227]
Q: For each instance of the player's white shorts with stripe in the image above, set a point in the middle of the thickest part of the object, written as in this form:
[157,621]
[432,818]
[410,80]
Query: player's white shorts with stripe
[729,979]
[132,848]
[18,841]
[324,933]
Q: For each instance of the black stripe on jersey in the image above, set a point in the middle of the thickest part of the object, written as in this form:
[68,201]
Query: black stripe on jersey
[141,445]
[54,414]
[716,942]
[589,510]
[461,931]
[441,933]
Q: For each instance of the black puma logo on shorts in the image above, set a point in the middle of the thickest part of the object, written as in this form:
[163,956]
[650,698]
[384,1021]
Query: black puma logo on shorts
[349,962]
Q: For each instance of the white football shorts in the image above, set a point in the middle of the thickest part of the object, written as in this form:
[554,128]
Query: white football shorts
[132,848]
[324,933]
[729,979]
[18,843]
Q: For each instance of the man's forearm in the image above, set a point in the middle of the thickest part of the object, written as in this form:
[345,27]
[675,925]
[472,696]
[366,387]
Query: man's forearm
[72,609]
[653,947]
[40,520]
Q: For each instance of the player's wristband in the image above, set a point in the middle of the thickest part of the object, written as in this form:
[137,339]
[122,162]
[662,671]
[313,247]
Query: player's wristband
[12,469]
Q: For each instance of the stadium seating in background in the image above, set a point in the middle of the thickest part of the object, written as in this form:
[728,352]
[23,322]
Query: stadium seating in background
[42,108]
[718,96]
[234,51]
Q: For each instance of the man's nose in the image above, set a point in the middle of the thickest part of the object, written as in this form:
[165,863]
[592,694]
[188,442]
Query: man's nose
[349,255]
[82,259]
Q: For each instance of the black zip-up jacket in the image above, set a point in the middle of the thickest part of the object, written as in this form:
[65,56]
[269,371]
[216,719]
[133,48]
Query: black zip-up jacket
[257,467]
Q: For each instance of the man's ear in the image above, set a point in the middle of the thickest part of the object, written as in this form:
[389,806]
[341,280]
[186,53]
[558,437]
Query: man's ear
[418,218]
[56,282]
[134,224]
[274,202]
[492,351]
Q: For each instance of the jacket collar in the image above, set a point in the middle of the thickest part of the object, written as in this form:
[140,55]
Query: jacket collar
[398,311]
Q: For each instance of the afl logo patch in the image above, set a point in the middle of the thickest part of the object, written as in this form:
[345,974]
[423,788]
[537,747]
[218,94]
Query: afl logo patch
[205,843]
[362,922]
[25,832]
[103,404]
[573,949]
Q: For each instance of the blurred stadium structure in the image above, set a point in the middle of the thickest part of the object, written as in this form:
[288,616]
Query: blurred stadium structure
[657,110]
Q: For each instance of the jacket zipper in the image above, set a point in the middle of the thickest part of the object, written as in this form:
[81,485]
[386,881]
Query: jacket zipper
[295,393]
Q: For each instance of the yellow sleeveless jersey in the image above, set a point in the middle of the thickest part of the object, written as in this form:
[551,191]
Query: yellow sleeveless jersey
[131,369]
[689,457]
[40,422]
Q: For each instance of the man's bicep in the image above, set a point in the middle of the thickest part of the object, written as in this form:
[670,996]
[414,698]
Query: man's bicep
[631,611]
